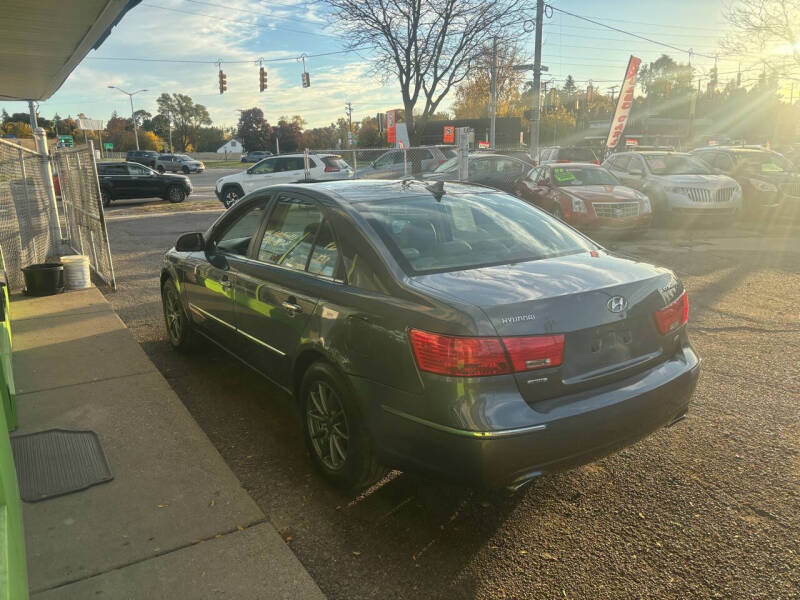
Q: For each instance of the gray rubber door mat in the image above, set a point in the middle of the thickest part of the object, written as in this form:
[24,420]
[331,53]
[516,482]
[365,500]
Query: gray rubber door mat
[57,462]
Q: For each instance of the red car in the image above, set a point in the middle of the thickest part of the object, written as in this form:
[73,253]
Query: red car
[588,197]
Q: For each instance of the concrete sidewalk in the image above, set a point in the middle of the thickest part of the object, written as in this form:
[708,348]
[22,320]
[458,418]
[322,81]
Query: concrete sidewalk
[174,523]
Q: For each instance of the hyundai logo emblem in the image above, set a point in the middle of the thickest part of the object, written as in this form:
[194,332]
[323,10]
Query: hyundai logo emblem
[617,304]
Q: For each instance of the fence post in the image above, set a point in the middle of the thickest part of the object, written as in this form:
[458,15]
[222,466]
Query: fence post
[355,164]
[305,164]
[47,177]
[96,181]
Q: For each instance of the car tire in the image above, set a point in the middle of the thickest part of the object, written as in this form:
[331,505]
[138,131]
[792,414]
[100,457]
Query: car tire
[176,194]
[230,195]
[335,434]
[557,212]
[180,331]
[160,169]
[105,195]
[185,170]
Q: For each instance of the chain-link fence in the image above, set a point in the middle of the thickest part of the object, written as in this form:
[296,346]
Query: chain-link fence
[26,234]
[393,163]
[83,221]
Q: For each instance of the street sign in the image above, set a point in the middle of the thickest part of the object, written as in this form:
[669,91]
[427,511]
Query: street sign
[449,136]
[482,144]
[108,146]
[65,140]
[90,124]
[631,142]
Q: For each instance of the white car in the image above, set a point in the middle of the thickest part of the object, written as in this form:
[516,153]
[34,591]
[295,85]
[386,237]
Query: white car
[677,183]
[285,168]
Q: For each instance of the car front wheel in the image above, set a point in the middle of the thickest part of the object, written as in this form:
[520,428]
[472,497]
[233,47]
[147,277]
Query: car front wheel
[335,435]
[176,194]
[185,170]
[161,169]
[230,196]
[106,196]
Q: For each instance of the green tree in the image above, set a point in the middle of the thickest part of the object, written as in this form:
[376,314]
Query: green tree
[569,86]
[290,133]
[187,117]
[369,136]
[253,130]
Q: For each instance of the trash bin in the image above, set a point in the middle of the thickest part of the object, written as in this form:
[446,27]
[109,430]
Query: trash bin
[44,279]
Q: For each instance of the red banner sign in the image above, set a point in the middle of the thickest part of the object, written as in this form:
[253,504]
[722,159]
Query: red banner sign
[624,102]
[390,130]
[449,136]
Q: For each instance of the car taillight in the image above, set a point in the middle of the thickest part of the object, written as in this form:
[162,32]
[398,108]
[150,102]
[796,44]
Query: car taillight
[459,356]
[535,352]
[330,169]
[597,162]
[480,356]
[673,315]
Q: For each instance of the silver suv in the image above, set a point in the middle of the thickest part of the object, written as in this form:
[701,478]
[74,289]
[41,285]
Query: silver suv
[676,183]
[179,163]
[396,163]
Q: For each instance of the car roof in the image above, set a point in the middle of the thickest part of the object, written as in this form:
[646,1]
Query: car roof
[573,164]
[353,191]
[645,152]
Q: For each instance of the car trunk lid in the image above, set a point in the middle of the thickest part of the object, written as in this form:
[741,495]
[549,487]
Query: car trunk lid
[602,304]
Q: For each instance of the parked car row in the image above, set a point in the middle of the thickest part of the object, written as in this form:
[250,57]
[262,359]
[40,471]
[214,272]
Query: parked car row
[179,163]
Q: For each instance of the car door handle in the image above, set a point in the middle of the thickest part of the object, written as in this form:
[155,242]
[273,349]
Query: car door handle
[292,307]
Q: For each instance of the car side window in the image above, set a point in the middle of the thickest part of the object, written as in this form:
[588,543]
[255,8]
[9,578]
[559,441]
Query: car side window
[290,233]
[264,167]
[138,170]
[426,154]
[621,162]
[236,237]
[325,255]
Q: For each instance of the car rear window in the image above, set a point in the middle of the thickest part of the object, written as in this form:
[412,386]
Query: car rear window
[467,231]
[335,162]
[576,155]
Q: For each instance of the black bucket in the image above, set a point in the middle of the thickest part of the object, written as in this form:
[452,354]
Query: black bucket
[44,279]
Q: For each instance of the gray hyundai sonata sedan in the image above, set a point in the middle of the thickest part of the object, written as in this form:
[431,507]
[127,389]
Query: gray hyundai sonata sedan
[455,330]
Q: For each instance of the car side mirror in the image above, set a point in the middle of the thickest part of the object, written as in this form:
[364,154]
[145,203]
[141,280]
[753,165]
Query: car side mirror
[190,242]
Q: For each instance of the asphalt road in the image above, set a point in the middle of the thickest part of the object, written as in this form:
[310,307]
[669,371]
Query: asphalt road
[708,508]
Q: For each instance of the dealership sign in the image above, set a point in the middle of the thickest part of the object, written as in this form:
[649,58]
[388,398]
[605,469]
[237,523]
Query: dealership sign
[390,127]
[90,124]
[624,103]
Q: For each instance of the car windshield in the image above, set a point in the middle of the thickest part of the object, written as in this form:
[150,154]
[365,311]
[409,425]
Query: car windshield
[448,165]
[574,176]
[576,155]
[467,231]
[676,164]
[764,162]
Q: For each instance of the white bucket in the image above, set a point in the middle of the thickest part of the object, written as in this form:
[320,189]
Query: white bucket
[77,275]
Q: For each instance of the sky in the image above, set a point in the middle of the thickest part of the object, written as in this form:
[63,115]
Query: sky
[279,31]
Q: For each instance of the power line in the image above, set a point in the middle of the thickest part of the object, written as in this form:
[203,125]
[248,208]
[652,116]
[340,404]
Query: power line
[227,62]
[630,33]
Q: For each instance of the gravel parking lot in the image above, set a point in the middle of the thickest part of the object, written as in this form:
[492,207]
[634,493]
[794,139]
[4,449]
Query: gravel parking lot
[707,508]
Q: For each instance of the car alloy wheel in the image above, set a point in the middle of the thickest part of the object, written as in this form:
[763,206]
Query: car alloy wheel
[229,198]
[186,170]
[176,194]
[327,426]
[173,315]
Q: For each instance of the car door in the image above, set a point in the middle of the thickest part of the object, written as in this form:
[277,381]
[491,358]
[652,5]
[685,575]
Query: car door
[259,175]
[144,182]
[277,292]
[210,286]
[636,173]
[289,169]
[526,187]
[115,178]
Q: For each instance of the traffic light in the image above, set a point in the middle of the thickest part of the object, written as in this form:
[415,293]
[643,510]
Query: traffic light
[223,82]
[306,79]
[262,78]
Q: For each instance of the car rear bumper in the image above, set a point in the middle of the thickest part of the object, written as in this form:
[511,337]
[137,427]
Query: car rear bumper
[571,431]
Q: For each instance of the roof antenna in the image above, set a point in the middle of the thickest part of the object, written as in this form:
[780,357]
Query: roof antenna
[437,189]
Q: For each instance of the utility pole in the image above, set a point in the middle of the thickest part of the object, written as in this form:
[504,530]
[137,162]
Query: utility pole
[537,80]
[348,108]
[32,111]
[613,89]
[492,128]
[133,114]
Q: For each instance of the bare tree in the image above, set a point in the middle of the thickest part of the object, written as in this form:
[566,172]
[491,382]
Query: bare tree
[429,45]
[765,26]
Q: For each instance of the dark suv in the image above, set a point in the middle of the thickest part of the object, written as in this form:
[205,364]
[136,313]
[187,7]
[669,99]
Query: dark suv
[147,158]
[127,180]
